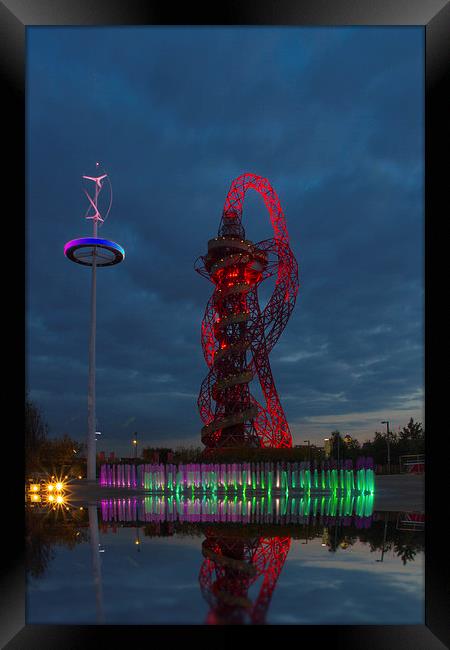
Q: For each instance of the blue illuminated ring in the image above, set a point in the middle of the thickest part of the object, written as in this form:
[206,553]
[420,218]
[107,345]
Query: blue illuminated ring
[81,251]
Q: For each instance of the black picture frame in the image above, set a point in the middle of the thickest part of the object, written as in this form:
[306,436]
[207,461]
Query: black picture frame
[434,17]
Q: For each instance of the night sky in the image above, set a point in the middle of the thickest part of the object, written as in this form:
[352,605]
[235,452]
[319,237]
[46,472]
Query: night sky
[333,117]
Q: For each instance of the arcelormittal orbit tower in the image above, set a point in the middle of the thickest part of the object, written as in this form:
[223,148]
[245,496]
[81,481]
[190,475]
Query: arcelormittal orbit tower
[237,335]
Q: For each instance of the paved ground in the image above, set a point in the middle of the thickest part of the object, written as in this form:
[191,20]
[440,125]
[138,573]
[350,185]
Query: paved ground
[84,491]
[399,492]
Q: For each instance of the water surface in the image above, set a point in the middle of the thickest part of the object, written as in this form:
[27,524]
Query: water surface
[152,561]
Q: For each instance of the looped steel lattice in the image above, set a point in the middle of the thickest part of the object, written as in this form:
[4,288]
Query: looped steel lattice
[232,565]
[237,336]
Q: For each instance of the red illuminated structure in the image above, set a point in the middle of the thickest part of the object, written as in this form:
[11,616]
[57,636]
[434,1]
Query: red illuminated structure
[237,335]
[230,568]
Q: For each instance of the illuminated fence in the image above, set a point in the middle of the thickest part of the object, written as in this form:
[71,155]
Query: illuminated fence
[324,510]
[241,477]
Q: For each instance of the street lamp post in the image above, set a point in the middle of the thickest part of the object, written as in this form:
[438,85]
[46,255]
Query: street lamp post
[338,438]
[386,422]
[309,442]
[135,444]
[94,252]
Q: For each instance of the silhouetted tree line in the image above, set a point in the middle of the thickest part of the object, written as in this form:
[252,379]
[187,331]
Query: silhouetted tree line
[44,454]
[405,544]
[51,454]
[337,537]
[245,454]
[157,454]
[36,431]
[409,440]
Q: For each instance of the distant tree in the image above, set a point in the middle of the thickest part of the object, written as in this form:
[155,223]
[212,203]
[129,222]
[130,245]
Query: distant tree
[187,455]
[59,452]
[409,440]
[353,449]
[36,431]
[377,448]
[412,431]
[337,445]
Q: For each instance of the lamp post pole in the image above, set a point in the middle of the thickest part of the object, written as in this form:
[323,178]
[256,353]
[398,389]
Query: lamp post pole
[309,442]
[91,450]
[93,252]
[386,422]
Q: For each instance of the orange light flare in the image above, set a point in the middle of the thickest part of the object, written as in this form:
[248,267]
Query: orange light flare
[58,501]
[57,486]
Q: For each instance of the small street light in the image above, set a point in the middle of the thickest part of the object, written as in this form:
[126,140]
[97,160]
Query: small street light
[386,422]
[135,444]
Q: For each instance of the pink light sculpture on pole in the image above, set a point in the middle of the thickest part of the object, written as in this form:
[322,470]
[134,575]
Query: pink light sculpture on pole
[94,252]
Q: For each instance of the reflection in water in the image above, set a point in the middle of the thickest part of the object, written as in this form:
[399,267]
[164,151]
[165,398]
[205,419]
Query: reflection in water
[50,524]
[251,511]
[95,555]
[231,566]
[245,546]
[235,559]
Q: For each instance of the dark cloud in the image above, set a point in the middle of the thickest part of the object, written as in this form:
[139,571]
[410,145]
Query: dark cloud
[333,117]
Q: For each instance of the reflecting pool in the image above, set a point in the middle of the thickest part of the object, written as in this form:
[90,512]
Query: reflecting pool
[158,560]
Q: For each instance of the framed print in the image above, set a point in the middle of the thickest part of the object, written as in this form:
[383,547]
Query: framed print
[185,506]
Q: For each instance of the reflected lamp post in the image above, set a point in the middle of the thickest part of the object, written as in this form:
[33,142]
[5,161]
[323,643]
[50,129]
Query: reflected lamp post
[386,422]
[384,537]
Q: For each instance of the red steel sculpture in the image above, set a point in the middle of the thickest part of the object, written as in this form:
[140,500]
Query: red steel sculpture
[237,335]
[230,568]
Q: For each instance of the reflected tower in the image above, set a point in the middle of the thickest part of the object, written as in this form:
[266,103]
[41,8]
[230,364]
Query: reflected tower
[233,564]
